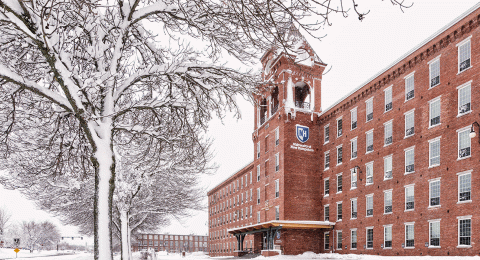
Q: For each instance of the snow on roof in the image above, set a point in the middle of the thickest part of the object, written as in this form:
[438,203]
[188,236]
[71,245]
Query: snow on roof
[282,223]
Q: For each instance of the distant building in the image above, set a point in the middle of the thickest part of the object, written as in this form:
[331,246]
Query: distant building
[390,169]
[171,243]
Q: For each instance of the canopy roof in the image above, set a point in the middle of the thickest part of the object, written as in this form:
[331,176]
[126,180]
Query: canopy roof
[283,224]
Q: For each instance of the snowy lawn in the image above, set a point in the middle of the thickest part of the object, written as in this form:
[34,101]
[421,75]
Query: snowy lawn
[8,253]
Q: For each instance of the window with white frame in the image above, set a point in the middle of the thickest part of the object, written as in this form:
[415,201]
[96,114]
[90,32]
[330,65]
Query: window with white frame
[464,231]
[327,160]
[465,186]
[251,194]
[369,205]
[387,236]
[369,174]
[353,118]
[434,69]
[410,160]
[326,212]
[353,238]
[339,127]
[258,217]
[353,147]
[434,187]
[409,197]
[387,201]
[251,210]
[250,177]
[339,155]
[388,98]
[409,86]
[339,211]
[410,123]
[277,136]
[258,150]
[369,109]
[277,162]
[353,179]
[339,182]
[409,235]
[434,152]
[258,196]
[387,167]
[326,133]
[388,132]
[434,233]
[464,61]
[369,143]
[353,203]
[277,188]
[277,213]
[464,98]
[434,105]
[326,239]
[369,234]
[258,173]
[339,240]
[464,143]
[326,186]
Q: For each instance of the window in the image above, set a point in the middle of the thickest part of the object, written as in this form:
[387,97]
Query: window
[434,72]
[251,193]
[258,217]
[464,231]
[354,208]
[388,130]
[353,179]
[434,112]
[353,118]
[434,233]
[326,135]
[339,183]
[339,211]
[353,238]
[277,188]
[434,152]
[464,54]
[326,212]
[326,239]
[258,173]
[266,168]
[277,162]
[387,200]
[258,150]
[387,231]
[388,99]
[277,136]
[326,187]
[409,86]
[258,196]
[339,127]
[266,144]
[369,141]
[387,167]
[250,177]
[464,144]
[464,98]
[369,204]
[369,109]
[339,155]
[410,160]
[464,186]
[353,145]
[251,210]
[409,197]
[339,240]
[327,160]
[277,213]
[434,192]
[409,235]
[369,238]
[410,123]
[369,174]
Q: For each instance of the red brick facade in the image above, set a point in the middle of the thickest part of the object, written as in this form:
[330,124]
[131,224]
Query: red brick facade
[436,191]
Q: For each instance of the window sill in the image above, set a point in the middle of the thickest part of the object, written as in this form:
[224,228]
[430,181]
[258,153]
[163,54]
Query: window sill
[369,120]
[434,247]
[389,213]
[463,202]
[368,248]
[338,164]
[387,248]
[433,86]
[368,184]
[353,129]
[326,142]
[408,210]
[466,113]
[406,100]
[369,216]
[387,179]
[463,158]
[326,169]
[339,192]
[434,207]
[385,145]
[407,136]
[368,152]
[353,219]
[432,126]
[326,195]
[353,249]
[464,246]
[409,248]
[407,173]
[460,72]
[433,166]
[353,188]
[387,110]
[338,220]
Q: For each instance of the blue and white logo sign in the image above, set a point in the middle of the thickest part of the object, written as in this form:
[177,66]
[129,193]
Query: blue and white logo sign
[302,133]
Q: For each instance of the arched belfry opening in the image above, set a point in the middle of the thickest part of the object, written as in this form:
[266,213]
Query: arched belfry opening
[263,110]
[274,100]
[302,95]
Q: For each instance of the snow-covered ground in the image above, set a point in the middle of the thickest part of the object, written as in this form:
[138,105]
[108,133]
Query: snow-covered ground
[8,253]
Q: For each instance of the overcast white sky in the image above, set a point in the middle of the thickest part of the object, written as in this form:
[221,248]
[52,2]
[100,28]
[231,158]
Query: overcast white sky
[354,50]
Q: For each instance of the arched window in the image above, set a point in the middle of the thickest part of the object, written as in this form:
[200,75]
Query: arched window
[263,111]
[274,100]
[302,94]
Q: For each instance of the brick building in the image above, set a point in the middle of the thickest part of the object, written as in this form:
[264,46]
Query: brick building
[171,243]
[389,169]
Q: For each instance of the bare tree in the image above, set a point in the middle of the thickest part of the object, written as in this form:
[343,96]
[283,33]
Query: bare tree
[77,78]
[4,219]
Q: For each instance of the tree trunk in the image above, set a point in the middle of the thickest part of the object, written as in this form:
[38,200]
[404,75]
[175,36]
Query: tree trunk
[104,162]
[125,233]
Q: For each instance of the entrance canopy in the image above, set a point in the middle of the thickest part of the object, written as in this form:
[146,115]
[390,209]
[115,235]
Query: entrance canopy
[281,224]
